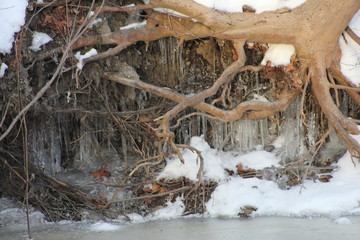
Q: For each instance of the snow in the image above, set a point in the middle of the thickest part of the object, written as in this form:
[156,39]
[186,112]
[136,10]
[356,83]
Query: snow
[340,196]
[104,226]
[95,22]
[134,25]
[172,210]
[12,17]
[343,221]
[3,68]
[258,5]
[38,40]
[215,162]
[350,58]
[81,57]
[278,54]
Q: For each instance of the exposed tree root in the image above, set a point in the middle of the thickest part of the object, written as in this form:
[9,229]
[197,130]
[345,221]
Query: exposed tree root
[317,34]
[342,125]
[161,25]
[351,90]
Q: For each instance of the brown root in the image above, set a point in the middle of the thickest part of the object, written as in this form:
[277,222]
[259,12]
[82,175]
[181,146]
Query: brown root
[343,126]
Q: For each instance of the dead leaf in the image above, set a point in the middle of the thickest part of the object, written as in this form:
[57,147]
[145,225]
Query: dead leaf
[101,173]
[102,196]
[155,187]
[290,67]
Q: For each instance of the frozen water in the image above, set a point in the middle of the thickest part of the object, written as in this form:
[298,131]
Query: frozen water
[269,228]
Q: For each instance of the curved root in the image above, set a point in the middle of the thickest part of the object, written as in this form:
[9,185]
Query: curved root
[343,126]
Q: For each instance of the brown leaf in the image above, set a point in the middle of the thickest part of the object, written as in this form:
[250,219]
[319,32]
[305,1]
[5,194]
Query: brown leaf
[290,67]
[102,172]
[102,196]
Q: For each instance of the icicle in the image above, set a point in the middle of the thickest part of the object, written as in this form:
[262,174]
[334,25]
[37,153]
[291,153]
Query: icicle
[292,131]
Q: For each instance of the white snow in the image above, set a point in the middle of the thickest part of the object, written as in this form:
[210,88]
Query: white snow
[258,5]
[350,58]
[95,22]
[12,17]
[340,196]
[134,25]
[278,54]
[38,40]
[260,98]
[343,220]
[81,57]
[215,162]
[172,210]
[104,226]
[3,68]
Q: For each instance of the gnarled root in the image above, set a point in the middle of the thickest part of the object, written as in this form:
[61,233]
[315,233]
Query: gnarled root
[343,126]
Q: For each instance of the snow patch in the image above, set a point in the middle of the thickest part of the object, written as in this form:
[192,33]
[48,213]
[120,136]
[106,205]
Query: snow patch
[215,162]
[3,68]
[350,58]
[172,210]
[339,197]
[12,17]
[134,25]
[355,23]
[95,22]
[278,54]
[81,58]
[38,40]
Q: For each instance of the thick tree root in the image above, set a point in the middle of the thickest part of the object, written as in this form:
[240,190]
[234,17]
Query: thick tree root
[343,126]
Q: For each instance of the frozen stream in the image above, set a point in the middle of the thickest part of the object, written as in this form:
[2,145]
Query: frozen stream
[252,228]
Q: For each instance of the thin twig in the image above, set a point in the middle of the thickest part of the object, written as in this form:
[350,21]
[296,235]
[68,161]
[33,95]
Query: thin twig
[26,171]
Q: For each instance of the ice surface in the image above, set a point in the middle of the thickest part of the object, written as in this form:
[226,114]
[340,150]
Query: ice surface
[12,213]
[343,220]
[104,226]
